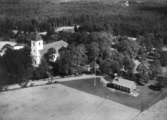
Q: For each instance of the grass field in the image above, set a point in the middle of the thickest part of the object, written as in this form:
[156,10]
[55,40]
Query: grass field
[145,100]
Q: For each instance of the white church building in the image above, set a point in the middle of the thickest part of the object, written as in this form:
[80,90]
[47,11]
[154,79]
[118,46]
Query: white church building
[39,49]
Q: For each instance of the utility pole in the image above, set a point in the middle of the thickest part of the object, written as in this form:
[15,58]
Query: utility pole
[95,72]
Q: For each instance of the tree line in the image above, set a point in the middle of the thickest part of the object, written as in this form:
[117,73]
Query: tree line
[117,24]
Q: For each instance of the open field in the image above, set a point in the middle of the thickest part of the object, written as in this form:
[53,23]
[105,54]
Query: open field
[60,102]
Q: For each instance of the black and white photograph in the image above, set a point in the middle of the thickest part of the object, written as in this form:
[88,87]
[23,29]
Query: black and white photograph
[83,59]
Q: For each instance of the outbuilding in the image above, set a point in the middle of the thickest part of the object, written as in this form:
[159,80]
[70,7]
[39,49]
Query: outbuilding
[124,85]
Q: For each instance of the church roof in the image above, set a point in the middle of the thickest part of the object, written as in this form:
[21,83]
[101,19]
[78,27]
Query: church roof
[56,45]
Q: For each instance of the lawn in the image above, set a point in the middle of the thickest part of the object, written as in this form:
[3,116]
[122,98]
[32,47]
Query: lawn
[146,98]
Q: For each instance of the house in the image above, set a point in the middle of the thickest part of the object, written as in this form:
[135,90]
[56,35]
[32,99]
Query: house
[18,46]
[43,33]
[124,85]
[11,46]
[69,29]
[132,38]
[126,3]
[4,45]
[15,31]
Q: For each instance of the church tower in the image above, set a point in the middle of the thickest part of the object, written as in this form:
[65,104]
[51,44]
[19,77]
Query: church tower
[36,47]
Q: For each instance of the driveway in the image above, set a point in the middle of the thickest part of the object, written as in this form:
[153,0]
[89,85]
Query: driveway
[59,102]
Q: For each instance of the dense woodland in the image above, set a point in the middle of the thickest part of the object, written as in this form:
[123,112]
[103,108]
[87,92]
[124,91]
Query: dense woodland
[138,19]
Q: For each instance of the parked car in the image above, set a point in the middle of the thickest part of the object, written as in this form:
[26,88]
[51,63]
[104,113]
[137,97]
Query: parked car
[156,87]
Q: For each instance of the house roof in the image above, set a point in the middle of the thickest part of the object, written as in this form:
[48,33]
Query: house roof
[56,45]
[66,28]
[124,82]
[132,38]
[4,43]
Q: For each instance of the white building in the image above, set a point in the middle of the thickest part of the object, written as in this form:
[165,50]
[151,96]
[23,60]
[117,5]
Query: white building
[125,85]
[126,3]
[69,29]
[18,47]
[39,49]
[43,33]
[36,47]
[132,38]
[4,45]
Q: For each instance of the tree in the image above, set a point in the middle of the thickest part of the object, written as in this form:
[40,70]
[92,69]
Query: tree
[105,67]
[77,54]
[42,71]
[64,64]
[18,65]
[128,64]
[93,51]
[49,55]
[3,73]
[81,54]
[163,58]
[110,67]
[128,47]
[144,72]
[150,40]
[71,59]
[117,56]
[155,68]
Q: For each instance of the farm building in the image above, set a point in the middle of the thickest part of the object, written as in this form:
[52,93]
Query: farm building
[69,29]
[4,45]
[124,85]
